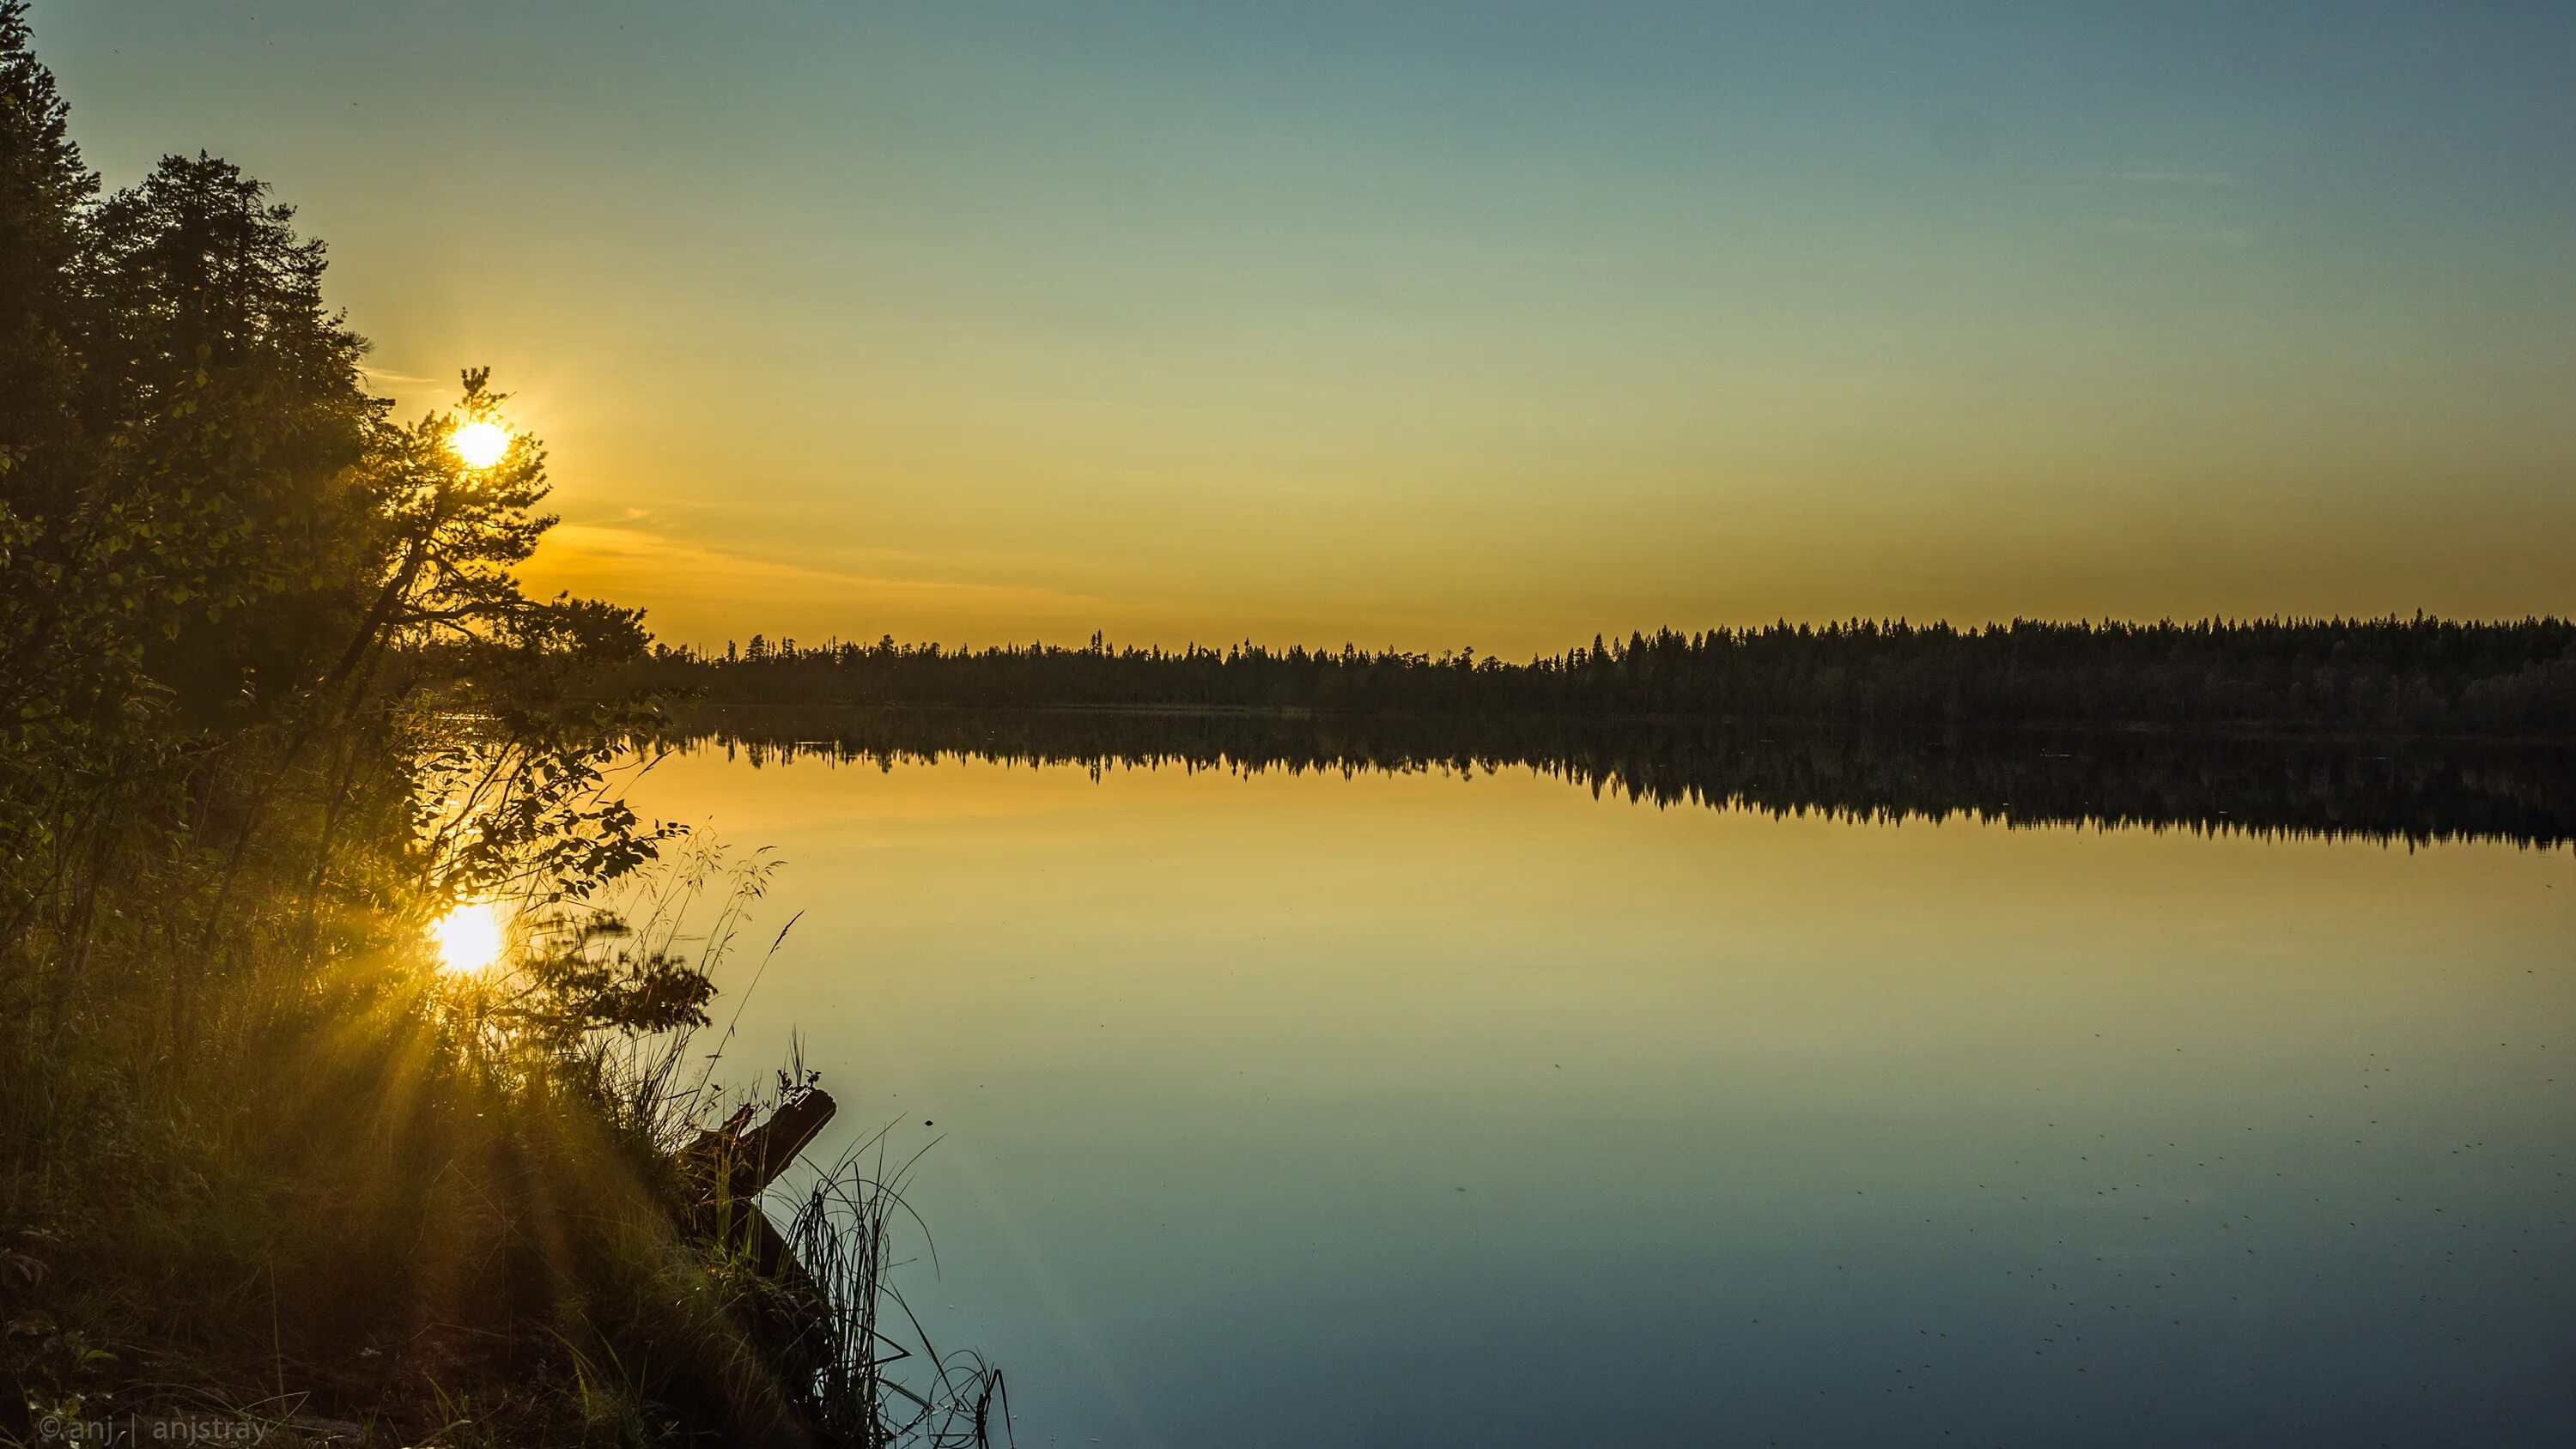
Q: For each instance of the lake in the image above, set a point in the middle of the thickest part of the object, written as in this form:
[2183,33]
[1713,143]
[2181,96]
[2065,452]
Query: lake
[1465,1103]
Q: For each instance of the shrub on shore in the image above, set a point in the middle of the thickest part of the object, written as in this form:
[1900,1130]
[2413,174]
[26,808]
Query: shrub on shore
[273,706]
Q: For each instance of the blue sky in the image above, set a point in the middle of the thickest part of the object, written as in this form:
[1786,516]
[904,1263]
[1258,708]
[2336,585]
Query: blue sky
[1443,324]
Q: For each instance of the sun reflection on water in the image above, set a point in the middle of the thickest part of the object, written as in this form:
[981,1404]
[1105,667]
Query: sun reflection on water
[468,938]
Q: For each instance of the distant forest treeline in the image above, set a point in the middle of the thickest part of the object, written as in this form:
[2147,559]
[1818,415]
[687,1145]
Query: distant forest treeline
[2406,676]
[2263,787]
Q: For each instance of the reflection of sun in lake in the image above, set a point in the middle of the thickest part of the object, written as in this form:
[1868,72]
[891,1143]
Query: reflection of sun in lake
[469,938]
[480,444]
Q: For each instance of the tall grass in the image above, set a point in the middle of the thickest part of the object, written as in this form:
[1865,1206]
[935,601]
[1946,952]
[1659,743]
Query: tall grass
[368,1200]
[878,1378]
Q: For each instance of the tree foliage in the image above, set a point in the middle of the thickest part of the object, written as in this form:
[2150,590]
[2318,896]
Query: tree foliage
[249,623]
[272,699]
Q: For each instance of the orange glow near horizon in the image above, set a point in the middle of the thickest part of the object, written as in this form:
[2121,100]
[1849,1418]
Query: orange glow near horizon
[980,331]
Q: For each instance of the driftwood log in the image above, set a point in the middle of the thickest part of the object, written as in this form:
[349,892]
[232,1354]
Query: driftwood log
[736,1164]
[794,1328]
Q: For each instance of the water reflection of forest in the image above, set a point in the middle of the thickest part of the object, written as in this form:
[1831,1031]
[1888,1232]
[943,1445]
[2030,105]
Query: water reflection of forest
[2374,789]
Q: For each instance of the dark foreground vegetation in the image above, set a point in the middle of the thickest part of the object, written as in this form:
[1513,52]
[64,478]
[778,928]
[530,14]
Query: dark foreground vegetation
[2339,788]
[271,706]
[2335,676]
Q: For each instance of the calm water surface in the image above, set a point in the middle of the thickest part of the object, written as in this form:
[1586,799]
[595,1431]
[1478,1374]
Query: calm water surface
[1428,1110]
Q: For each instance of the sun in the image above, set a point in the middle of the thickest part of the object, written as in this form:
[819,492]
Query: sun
[468,937]
[480,444]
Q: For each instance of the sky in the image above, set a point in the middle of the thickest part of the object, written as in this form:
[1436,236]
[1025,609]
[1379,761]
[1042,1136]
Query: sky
[1424,325]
